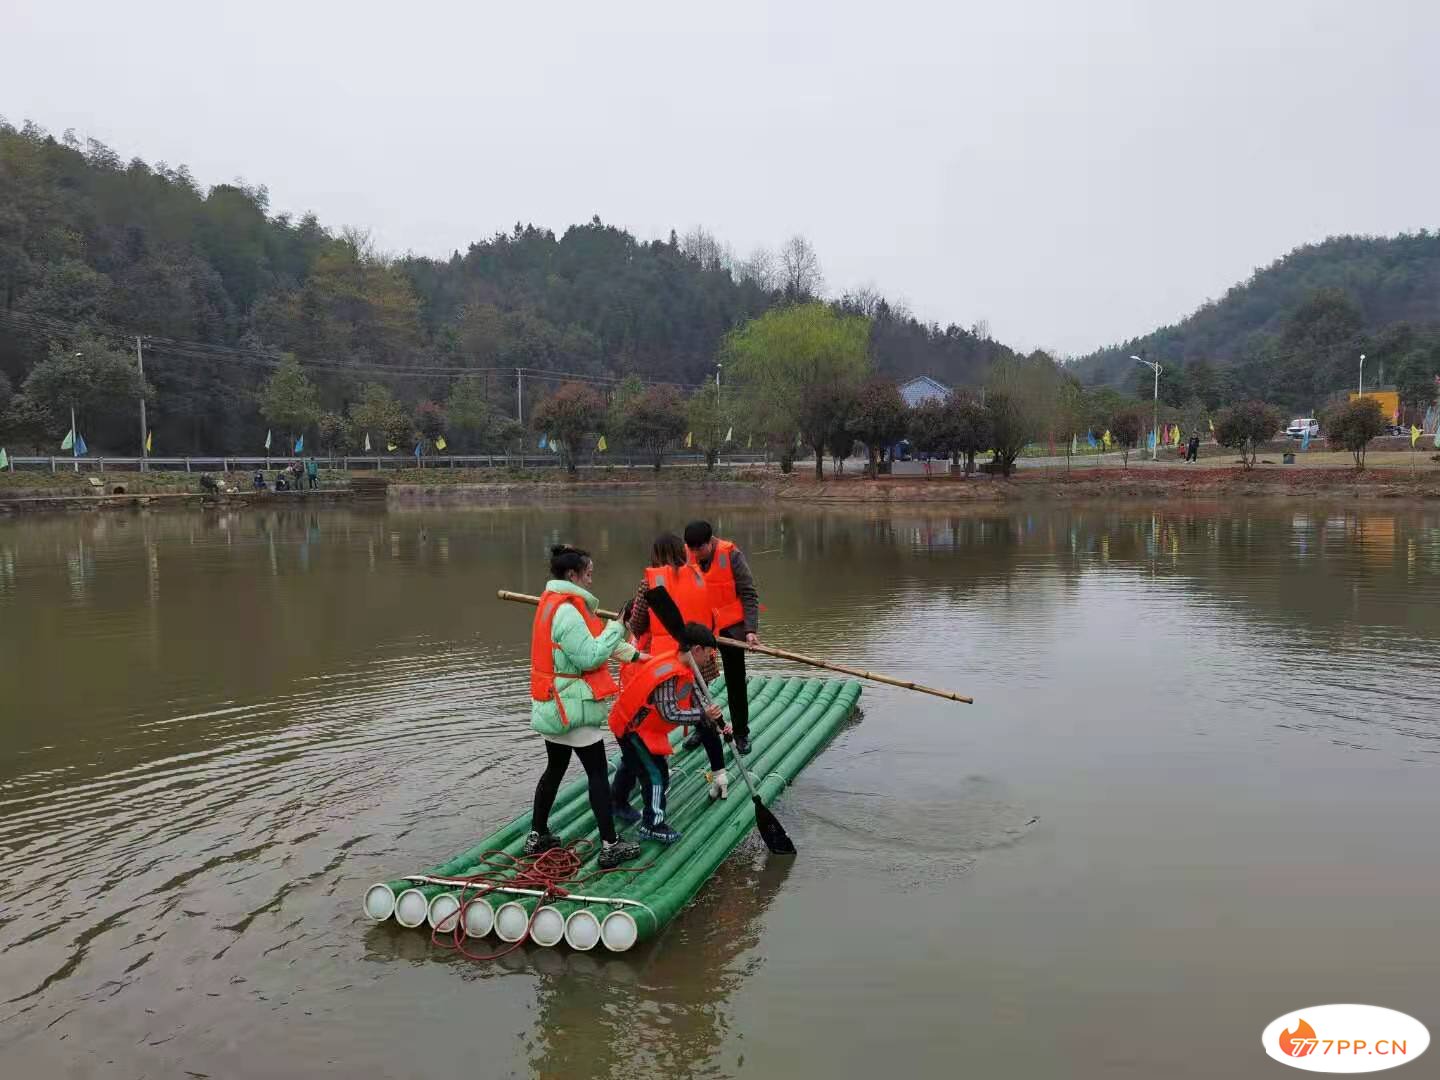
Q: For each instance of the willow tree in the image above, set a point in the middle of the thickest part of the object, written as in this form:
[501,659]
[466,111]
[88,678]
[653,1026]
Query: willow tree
[789,364]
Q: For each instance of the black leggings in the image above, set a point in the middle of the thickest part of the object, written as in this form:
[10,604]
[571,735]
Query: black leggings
[557,760]
[736,690]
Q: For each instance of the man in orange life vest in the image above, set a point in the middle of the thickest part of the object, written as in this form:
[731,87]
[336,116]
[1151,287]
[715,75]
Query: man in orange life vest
[732,592]
[656,696]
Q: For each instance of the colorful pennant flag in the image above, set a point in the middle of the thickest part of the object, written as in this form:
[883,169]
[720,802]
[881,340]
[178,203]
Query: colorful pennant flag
[688,440]
[418,451]
[1090,439]
[544,442]
[730,434]
[1075,442]
[1414,436]
[1437,436]
[69,443]
[267,440]
[149,441]
[4,459]
[750,440]
[602,445]
[1212,427]
[80,448]
[1305,439]
[440,443]
[1106,438]
[1151,443]
[367,442]
[300,445]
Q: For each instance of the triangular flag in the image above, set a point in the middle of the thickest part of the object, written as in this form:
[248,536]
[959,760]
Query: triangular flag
[601,445]
[543,440]
[80,448]
[749,440]
[1151,445]
[1212,427]
[688,441]
[730,434]
[4,459]
[440,443]
[1075,443]
[1305,439]
[267,440]
[1437,436]
[1106,438]
[367,442]
[149,441]
[1414,436]
[300,444]
[417,450]
[69,440]
[391,446]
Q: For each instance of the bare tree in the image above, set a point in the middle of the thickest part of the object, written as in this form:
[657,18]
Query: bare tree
[703,246]
[759,269]
[865,300]
[800,273]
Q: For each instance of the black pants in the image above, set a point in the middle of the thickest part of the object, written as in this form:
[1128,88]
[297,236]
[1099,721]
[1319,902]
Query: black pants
[557,760]
[733,661]
[653,772]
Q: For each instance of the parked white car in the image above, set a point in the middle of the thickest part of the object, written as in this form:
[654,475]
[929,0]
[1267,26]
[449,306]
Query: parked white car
[1302,425]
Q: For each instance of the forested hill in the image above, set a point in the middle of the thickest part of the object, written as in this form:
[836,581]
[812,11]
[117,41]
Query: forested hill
[95,250]
[1294,330]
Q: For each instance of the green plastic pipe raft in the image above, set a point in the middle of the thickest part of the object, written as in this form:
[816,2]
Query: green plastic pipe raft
[790,721]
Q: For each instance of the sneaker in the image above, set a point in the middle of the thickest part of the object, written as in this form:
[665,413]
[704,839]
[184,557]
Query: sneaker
[612,855]
[660,831]
[742,743]
[626,813]
[692,740]
[719,784]
[537,842]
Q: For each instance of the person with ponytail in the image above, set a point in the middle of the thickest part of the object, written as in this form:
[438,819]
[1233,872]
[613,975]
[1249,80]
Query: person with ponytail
[571,692]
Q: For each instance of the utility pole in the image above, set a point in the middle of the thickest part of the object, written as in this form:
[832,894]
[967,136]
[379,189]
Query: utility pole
[519,396]
[144,429]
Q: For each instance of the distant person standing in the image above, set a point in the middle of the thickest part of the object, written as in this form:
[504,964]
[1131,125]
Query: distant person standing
[736,602]
[1192,448]
[312,473]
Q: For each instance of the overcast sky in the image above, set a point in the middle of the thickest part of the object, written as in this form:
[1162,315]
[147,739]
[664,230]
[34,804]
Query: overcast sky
[1073,173]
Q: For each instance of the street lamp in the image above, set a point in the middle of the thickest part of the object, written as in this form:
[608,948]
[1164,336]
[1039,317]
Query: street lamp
[1362,375]
[1153,365]
[718,366]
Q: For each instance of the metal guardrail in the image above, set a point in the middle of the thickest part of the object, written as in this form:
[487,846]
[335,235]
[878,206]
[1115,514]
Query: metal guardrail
[234,463]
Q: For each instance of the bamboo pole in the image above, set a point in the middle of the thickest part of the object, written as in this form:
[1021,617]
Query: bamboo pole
[784,654]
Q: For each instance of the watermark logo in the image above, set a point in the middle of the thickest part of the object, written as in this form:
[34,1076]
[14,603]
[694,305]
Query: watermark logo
[1345,1038]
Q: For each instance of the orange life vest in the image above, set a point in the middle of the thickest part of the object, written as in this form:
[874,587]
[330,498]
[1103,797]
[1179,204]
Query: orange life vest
[625,714]
[720,584]
[542,653]
[686,586]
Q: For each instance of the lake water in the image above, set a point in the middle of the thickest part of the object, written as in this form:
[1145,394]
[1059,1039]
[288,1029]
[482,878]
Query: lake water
[1199,789]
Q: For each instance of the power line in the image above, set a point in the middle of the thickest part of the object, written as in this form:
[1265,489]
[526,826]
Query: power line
[228,354]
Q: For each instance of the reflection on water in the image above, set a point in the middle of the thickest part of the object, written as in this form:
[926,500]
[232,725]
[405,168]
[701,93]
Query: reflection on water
[1199,730]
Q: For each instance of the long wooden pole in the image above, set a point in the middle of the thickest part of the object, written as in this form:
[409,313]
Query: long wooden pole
[785,654]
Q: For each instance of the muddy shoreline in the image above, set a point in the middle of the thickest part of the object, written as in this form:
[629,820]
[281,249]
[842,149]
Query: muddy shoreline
[1098,485]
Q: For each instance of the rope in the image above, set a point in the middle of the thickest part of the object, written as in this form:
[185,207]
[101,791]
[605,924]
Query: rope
[555,873]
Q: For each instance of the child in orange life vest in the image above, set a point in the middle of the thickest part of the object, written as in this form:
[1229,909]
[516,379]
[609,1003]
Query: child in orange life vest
[656,696]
